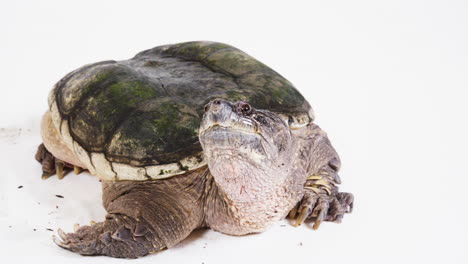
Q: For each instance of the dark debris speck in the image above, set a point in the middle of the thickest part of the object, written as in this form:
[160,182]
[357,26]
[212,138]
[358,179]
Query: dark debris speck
[59,196]
[34,229]
[49,229]
[300,244]
[282,225]
[21,186]
[56,207]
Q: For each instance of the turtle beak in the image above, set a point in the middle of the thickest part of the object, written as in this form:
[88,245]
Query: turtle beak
[217,112]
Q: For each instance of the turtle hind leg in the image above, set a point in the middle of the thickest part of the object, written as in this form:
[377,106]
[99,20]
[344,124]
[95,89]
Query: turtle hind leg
[143,217]
[50,164]
[119,236]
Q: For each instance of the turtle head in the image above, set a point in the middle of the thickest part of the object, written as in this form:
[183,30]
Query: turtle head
[245,147]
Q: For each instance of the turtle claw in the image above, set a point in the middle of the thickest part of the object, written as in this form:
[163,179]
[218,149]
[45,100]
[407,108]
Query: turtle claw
[338,219]
[111,237]
[62,234]
[46,175]
[59,242]
[77,170]
[60,169]
[302,216]
[51,165]
[293,212]
[322,207]
[321,216]
[316,225]
[321,210]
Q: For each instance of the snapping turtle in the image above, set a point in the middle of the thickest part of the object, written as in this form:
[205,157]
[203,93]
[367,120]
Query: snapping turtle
[187,136]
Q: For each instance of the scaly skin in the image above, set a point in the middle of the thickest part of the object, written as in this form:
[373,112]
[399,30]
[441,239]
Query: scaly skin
[143,217]
[264,168]
[258,171]
[321,200]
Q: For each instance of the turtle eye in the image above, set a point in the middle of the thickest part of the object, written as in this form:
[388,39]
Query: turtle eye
[244,108]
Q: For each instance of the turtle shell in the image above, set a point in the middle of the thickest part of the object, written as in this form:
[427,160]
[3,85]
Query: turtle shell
[138,119]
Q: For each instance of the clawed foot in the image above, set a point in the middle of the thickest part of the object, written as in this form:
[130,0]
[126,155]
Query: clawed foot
[322,207]
[85,240]
[52,165]
[116,238]
[80,235]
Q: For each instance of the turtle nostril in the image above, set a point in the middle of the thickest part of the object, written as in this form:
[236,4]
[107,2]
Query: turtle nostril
[215,105]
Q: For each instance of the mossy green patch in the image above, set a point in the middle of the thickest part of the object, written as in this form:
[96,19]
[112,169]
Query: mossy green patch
[81,82]
[101,113]
[234,62]
[271,91]
[196,50]
[165,134]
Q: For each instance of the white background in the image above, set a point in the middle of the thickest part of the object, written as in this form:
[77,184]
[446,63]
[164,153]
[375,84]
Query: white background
[388,81]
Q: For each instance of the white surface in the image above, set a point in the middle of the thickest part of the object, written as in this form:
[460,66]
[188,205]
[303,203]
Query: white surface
[388,81]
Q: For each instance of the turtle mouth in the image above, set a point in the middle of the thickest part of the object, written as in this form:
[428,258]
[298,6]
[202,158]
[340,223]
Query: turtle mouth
[234,141]
[245,126]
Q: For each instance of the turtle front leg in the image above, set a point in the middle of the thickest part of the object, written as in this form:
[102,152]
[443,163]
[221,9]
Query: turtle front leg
[321,201]
[143,217]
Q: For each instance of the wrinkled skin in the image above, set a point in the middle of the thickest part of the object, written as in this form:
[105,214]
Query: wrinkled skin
[246,149]
[259,170]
